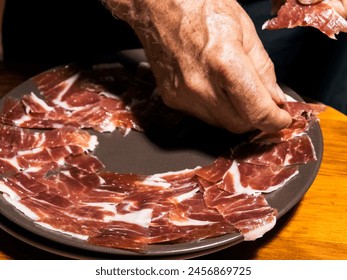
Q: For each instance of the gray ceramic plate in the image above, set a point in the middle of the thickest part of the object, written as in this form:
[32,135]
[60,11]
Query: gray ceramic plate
[148,154]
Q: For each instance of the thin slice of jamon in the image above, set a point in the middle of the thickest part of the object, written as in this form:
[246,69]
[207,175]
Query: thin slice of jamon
[85,162]
[183,184]
[68,136]
[321,16]
[303,116]
[16,191]
[7,166]
[307,110]
[215,171]
[177,187]
[251,215]
[34,159]
[33,104]
[155,196]
[14,139]
[195,221]
[65,85]
[22,185]
[86,102]
[132,183]
[47,80]
[161,229]
[82,188]
[65,189]
[295,151]
[72,97]
[104,114]
[251,178]
[180,214]
[122,235]
[39,115]
[117,234]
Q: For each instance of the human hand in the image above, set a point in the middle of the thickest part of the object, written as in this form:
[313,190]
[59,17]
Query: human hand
[208,61]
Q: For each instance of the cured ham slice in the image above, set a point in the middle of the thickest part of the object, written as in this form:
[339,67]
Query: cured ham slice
[13,139]
[297,150]
[38,115]
[84,162]
[321,15]
[251,178]
[303,116]
[50,79]
[104,115]
[250,214]
[35,159]
[182,216]
[72,97]
[193,220]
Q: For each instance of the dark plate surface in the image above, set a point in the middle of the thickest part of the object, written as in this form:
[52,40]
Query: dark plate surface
[189,145]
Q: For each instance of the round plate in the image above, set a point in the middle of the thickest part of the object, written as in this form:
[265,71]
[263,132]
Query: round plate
[190,144]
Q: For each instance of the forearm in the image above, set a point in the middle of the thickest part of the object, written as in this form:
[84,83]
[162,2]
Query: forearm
[142,12]
[163,23]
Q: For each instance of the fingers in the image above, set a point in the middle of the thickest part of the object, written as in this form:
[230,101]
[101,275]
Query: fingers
[253,96]
[262,63]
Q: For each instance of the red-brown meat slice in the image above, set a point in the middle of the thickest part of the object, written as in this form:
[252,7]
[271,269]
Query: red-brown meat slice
[249,214]
[295,151]
[321,16]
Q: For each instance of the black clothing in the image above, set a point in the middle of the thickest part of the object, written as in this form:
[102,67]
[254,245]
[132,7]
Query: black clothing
[59,32]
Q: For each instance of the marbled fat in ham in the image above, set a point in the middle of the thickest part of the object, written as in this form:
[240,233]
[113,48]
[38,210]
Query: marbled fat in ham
[71,97]
[297,150]
[250,214]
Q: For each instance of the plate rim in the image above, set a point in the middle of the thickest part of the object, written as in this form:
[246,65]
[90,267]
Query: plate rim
[12,214]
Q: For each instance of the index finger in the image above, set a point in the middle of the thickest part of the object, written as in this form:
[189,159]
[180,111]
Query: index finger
[250,97]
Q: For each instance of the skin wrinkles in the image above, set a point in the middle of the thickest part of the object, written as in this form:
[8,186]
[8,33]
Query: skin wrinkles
[209,62]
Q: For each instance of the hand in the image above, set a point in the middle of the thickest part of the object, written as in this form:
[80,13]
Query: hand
[208,61]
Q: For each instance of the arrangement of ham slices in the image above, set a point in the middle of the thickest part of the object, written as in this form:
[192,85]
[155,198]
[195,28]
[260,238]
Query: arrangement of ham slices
[49,172]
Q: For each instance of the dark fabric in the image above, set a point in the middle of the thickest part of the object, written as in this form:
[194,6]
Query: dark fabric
[65,31]
[305,59]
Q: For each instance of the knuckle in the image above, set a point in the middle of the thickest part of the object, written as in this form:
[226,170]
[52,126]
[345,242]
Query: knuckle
[193,84]
[261,116]
[169,97]
[267,67]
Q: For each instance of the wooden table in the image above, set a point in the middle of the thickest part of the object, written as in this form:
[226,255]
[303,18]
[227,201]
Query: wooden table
[315,229]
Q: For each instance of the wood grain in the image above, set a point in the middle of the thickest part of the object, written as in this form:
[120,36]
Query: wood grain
[315,229]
